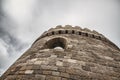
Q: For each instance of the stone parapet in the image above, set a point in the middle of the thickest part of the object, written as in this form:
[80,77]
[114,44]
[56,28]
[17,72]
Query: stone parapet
[77,30]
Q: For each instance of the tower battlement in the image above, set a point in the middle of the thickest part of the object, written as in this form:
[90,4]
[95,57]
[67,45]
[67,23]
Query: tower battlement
[77,30]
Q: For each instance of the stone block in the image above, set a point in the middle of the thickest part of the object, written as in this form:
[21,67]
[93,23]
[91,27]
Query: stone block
[52,78]
[10,77]
[47,67]
[44,50]
[59,63]
[47,72]
[69,46]
[38,62]
[21,72]
[71,60]
[66,75]
[37,71]
[67,57]
[29,67]
[61,69]
[33,60]
[54,68]
[64,79]
[71,70]
[40,77]
[66,64]
[75,77]
[107,57]
[36,67]
[86,68]
[53,56]
[28,71]
[55,73]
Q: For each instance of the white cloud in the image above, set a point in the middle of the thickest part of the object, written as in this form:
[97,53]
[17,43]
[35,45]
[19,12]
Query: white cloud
[29,18]
[3,52]
[3,55]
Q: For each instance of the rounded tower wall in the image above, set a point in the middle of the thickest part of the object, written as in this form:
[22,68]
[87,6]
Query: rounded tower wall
[68,53]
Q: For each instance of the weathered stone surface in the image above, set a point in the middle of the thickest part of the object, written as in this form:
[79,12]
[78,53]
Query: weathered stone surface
[47,72]
[68,53]
[65,75]
[55,73]
[53,78]
[59,63]
[28,71]
[40,77]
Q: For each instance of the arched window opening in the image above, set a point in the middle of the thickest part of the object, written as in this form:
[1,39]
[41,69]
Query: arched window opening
[56,43]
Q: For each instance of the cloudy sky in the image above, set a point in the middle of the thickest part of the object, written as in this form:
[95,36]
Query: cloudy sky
[22,21]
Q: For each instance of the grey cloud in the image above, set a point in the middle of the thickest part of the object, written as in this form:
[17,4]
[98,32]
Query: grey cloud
[19,29]
[9,43]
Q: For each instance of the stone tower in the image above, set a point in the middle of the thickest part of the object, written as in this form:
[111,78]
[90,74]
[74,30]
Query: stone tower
[68,53]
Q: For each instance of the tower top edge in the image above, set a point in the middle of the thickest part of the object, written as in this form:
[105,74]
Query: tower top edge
[75,28]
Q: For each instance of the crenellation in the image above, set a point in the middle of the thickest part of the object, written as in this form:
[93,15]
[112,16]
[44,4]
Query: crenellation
[95,32]
[58,26]
[69,30]
[67,26]
[78,31]
[78,27]
[83,34]
[87,30]
[51,29]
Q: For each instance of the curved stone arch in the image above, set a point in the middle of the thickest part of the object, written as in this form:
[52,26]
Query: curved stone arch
[56,42]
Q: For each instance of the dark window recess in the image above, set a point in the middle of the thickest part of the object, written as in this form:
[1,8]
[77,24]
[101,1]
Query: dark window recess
[99,37]
[79,33]
[56,42]
[86,34]
[53,33]
[66,31]
[60,32]
[93,36]
[47,34]
[73,32]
